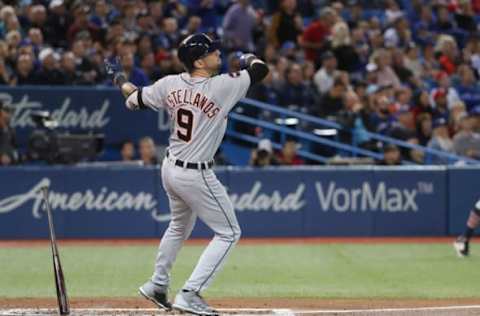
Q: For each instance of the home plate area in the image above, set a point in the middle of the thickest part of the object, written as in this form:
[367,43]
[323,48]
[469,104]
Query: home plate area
[418,311]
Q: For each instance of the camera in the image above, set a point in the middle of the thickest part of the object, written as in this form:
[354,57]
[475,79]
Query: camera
[47,144]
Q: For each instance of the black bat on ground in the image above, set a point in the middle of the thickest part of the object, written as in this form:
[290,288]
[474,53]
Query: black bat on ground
[62,298]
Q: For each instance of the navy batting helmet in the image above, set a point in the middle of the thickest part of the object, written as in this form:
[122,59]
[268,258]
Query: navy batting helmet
[195,47]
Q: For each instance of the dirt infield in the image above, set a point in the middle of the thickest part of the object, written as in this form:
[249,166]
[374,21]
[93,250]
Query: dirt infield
[245,241]
[251,306]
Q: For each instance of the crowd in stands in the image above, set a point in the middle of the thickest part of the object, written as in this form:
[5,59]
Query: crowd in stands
[408,69]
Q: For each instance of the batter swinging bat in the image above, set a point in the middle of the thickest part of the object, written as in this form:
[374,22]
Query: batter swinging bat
[62,298]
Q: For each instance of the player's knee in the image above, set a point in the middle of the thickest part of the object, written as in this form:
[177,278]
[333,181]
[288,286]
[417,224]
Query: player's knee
[232,235]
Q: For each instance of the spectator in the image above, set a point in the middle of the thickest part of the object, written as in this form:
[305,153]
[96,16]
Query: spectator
[57,22]
[83,64]
[25,71]
[265,91]
[238,25]
[441,107]
[403,127]
[440,141]
[444,22]
[147,151]
[151,70]
[49,73]
[466,142]
[391,156]
[385,74]
[315,35]
[399,35]
[135,75]
[443,82]
[325,76]
[69,69]
[263,156]
[468,88]
[286,24]
[341,42]
[424,128]
[465,16]
[127,151]
[288,156]
[8,147]
[447,50]
[295,94]
[6,77]
[331,103]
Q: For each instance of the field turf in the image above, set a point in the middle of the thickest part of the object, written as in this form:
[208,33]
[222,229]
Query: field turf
[290,270]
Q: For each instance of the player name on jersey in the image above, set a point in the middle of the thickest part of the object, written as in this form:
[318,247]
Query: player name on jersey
[182,97]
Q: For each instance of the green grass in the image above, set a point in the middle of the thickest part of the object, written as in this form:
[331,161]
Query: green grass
[327,271]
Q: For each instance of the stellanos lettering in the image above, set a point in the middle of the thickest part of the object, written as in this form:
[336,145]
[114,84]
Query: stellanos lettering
[105,200]
[64,114]
[364,198]
[256,201]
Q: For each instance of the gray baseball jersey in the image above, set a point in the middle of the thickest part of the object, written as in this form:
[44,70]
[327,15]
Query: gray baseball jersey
[198,109]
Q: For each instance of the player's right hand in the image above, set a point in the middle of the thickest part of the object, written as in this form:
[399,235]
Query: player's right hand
[112,67]
[246,60]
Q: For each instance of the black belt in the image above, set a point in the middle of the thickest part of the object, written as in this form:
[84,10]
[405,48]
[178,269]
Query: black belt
[192,165]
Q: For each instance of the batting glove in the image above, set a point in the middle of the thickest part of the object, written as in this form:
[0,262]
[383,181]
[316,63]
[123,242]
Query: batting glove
[246,60]
[114,71]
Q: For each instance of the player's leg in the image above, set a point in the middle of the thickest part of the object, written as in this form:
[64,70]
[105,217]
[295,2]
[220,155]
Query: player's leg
[462,243]
[179,229]
[214,208]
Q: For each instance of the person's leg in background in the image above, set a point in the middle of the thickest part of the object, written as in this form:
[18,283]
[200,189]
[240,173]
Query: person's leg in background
[462,243]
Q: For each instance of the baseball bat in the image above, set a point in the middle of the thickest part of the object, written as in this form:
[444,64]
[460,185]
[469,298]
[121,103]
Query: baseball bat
[62,298]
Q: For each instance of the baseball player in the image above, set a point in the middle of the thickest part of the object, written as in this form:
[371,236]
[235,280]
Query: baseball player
[198,102]
[461,244]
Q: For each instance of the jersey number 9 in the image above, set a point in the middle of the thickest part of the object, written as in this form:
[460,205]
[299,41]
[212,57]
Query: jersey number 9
[185,122]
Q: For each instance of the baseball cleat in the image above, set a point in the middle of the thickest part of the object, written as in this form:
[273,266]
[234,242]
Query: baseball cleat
[192,302]
[461,246]
[158,294]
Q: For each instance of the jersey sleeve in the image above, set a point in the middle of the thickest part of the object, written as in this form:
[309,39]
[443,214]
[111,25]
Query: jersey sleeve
[232,87]
[153,96]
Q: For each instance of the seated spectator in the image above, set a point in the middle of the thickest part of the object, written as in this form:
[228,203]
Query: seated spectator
[147,151]
[421,104]
[57,23]
[134,74]
[295,94]
[440,141]
[391,156]
[151,70]
[385,74]
[265,91]
[49,73]
[25,71]
[441,107]
[414,155]
[444,82]
[465,16]
[332,102]
[466,142]
[403,127]
[447,49]
[444,23]
[288,155]
[263,156]
[8,146]
[325,76]
[399,35]
[127,151]
[424,128]
[68,67]
[468,88]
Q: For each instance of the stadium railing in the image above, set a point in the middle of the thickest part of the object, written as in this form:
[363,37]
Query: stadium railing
[308,137]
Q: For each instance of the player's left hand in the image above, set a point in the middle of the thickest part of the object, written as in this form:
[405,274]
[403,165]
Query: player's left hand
[112,67]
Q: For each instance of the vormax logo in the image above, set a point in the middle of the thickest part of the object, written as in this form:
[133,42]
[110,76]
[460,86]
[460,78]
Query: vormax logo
[365,198]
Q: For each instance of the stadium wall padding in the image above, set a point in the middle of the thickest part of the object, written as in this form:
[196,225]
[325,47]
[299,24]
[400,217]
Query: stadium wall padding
[129,202]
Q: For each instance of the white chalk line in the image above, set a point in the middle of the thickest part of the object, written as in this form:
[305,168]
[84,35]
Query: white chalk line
[250,311]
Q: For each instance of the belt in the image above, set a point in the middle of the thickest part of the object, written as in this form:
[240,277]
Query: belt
[192,165]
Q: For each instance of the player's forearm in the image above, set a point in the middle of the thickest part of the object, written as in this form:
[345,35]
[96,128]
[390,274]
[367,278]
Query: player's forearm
[257,70]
